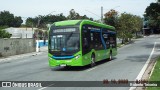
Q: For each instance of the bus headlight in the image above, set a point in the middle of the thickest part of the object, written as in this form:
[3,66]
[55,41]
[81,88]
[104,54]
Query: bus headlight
[50,58]
[78,56]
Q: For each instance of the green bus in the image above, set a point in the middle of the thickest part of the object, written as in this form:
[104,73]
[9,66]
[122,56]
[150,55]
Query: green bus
[80,43]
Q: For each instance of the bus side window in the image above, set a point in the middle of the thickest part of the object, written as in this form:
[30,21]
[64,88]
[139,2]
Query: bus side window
[85,41]
[97,41]
[106,39]
[113,41]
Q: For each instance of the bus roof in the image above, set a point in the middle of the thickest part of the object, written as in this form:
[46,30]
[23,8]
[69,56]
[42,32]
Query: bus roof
[81,22]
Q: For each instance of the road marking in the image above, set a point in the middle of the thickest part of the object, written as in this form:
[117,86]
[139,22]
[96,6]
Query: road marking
[91,69]
[45,87]
[144,67]
[152,70]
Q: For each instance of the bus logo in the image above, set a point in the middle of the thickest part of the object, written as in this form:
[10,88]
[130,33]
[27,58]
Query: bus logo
[6,84]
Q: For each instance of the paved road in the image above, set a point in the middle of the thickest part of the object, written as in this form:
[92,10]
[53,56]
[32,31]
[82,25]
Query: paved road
[126,65]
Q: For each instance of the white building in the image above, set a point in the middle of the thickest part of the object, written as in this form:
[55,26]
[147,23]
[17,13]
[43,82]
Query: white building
[21,32]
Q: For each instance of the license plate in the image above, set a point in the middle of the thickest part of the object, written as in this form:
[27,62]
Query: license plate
[63,65]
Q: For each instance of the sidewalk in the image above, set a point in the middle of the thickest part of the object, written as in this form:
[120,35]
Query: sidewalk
[42,50]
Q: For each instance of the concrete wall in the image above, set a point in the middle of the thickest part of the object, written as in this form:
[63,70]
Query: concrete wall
[10,47]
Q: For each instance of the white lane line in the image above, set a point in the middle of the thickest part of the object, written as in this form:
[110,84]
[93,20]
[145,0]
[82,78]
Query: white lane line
[91,69]
[45,87]
[42,88]
[144,67]
[146,64]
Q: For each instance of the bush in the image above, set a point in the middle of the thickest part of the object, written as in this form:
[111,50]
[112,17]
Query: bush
[4,34]
[139,37]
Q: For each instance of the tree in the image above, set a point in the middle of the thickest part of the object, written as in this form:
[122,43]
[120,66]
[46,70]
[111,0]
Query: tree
[137,22]
[127,25]
[124,26]
[73,15]
[30,22]
[41,21]
[8,19]
[111,18]
[46,35]
[17,21]
[38,34]
[153,15]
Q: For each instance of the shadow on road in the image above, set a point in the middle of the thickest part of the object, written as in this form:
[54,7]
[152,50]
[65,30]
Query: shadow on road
[148,46]
[79,68]
[141,58]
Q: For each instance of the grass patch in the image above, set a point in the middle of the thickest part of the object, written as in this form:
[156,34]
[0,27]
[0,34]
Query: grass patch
[155,75]
[119,45]
[137,37]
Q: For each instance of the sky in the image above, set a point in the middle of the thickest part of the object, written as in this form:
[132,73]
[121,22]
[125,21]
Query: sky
[32,8]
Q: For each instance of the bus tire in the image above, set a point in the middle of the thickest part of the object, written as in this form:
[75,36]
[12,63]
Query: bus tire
[110,56]
[93,63]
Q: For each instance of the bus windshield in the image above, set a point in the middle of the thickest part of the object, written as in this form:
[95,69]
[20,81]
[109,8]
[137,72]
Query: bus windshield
[65,42]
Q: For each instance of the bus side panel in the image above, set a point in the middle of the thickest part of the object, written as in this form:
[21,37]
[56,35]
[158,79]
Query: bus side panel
[86,59]
[102,54]
[114,51]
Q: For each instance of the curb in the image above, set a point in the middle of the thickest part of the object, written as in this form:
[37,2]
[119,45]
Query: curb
[19,56]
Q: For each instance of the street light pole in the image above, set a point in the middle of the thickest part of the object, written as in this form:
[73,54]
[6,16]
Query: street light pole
[102,14]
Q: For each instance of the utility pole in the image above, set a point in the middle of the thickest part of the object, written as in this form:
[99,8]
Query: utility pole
[102,14]
[101,17]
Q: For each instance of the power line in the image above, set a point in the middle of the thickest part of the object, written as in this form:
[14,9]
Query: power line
[93,13]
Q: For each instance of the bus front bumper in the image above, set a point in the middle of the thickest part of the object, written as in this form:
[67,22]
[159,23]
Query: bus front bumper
[69,62]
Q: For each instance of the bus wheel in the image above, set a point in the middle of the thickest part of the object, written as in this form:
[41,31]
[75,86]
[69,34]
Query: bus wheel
[93,61]
[110,56]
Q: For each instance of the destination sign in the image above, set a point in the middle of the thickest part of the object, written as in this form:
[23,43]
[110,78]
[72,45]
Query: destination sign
[93,28]
[64,30]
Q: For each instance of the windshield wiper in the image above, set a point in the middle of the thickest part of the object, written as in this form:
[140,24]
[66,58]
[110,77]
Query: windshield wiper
[69,36]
